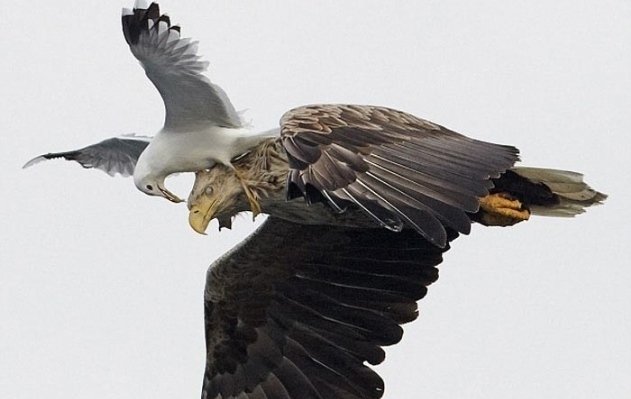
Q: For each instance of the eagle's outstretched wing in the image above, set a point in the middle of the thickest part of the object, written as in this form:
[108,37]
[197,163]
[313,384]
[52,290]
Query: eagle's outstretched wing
[402,170]
[295,311]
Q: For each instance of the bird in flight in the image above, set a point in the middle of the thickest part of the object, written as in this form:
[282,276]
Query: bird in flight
[362,203]
[304,305]
[201,127]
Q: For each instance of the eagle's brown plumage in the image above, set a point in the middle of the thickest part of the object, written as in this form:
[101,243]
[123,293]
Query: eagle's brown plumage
[369,156]
[296,314]
[300,307]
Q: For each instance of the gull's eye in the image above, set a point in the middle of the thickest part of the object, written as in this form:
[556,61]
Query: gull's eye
[149,187]
[208,191]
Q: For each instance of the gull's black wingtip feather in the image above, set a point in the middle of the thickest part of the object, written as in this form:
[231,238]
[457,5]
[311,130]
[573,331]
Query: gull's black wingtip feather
[153,12]
[34,161]
[69,156]
[137,20]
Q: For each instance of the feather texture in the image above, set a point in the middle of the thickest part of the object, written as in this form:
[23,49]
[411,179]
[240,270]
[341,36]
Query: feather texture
[571,194]
[400,169]
[174,67]
[114,155]
[295,318]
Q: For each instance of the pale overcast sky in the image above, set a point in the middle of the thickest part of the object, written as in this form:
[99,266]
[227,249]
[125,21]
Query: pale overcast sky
[101,286]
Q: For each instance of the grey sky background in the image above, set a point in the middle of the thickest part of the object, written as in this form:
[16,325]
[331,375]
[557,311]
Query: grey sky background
[101,286]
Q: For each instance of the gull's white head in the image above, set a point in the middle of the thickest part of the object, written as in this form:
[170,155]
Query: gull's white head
[151,184]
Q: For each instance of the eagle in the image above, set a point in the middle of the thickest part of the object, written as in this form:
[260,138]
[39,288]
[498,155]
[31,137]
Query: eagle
[362,201]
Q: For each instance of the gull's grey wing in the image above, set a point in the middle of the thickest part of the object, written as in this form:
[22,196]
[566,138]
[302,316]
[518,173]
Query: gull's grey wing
[298,311]
[174,67]
[115,155]
[400,169]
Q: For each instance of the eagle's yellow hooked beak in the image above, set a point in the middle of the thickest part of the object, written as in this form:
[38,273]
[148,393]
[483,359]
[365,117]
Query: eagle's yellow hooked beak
[201,213]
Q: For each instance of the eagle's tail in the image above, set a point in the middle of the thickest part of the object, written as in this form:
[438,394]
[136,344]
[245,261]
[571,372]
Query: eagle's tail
[570,195]
[520,192]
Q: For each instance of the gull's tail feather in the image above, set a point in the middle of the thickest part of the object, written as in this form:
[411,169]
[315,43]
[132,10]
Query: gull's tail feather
[572,194]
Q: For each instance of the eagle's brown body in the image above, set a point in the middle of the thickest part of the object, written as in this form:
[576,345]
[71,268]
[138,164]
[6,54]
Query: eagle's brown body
[265,169]
[362,203]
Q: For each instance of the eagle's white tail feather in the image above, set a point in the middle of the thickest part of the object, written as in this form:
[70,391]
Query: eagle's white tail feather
[574,194]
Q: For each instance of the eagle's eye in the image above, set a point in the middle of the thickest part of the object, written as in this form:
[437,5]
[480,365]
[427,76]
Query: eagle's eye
[208,191]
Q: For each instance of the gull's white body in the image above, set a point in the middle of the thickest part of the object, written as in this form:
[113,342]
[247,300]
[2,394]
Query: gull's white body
[201,126]
[189,151]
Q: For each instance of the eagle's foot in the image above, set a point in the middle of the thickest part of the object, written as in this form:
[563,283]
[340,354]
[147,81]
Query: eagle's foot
[501,209]
[255,205]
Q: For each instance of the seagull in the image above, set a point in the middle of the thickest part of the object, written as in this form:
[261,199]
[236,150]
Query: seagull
[304,306]
[201,127]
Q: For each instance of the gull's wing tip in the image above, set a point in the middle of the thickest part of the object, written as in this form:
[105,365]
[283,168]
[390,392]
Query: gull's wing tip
[34,161]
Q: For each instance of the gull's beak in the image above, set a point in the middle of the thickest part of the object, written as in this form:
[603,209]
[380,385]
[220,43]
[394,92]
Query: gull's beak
[201,213]
[170,196]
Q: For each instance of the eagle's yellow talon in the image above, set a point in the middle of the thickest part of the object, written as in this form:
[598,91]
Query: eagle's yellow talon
[501,210]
